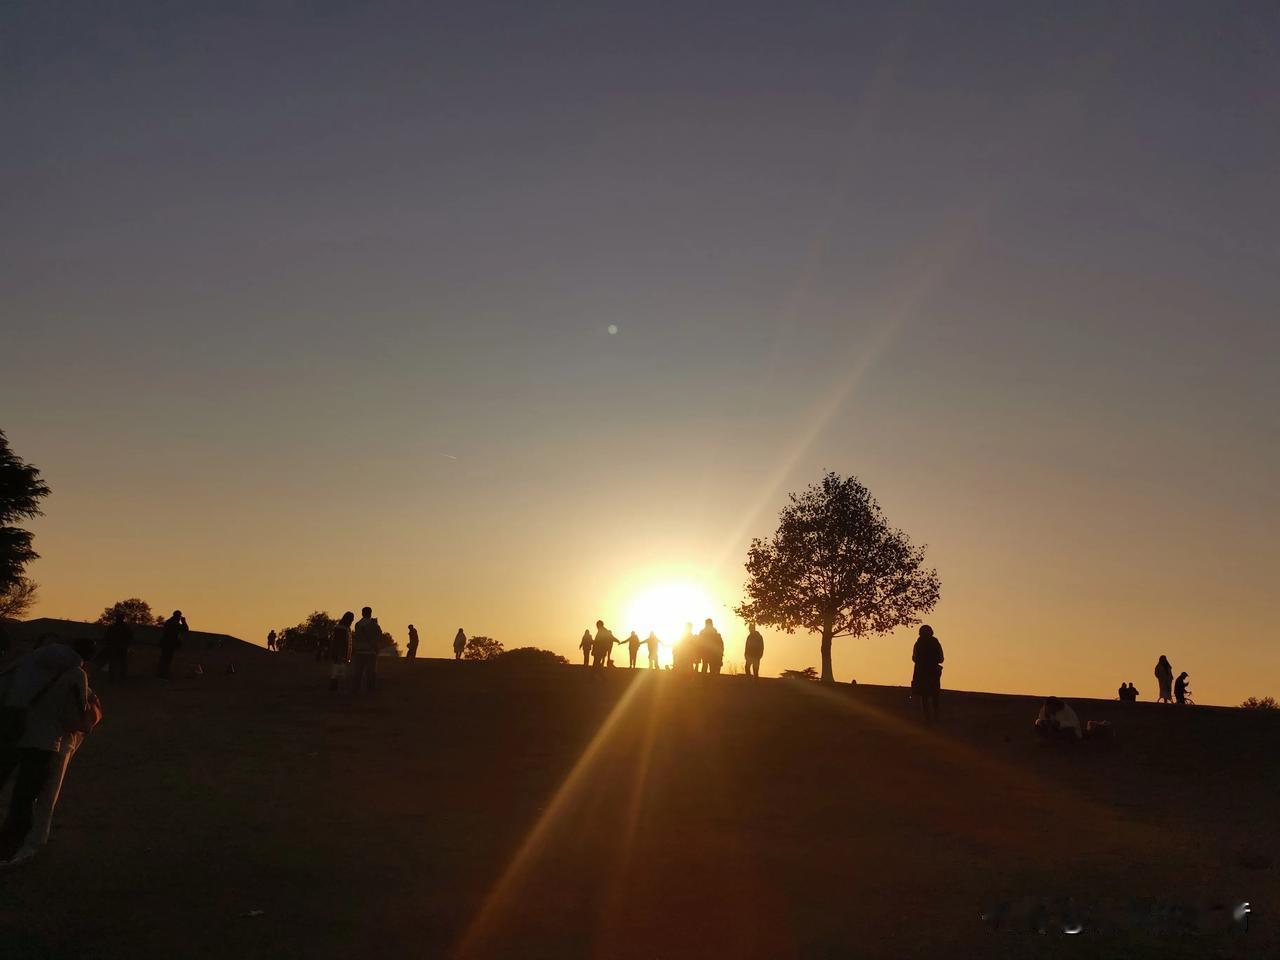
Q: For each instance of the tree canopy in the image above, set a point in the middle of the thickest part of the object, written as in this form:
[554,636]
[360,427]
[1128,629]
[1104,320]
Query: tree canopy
[133,610]
[21,491]
[836,567]
[482,648]
[17,598]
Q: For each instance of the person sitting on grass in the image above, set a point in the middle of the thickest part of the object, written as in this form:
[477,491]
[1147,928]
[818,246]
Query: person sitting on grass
[1057,721]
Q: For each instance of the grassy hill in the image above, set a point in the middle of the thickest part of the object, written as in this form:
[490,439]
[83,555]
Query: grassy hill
[471,811]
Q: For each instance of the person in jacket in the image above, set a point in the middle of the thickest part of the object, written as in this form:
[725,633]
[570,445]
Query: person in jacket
[585,646]
[366,641]
[51,689]
[1057,721]
[412,650]
[175,630]
[602,645]
[926,676]
[753,651]
[1181,688]
[340,650]
[1164,677]
[459,644]
[711,644]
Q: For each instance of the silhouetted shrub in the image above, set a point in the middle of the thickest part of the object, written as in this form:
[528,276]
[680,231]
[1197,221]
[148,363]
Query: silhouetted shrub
[808,673]
[530,657]
[1260,703]
[482,648]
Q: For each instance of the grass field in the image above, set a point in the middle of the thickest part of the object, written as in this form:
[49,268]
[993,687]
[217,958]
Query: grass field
[472,811]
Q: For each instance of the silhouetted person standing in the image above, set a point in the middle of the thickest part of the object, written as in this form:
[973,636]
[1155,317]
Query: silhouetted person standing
[651,642]
[1133,692]
[1181,688]
[685,656]
[412,650]
[633,649]
[271,640]
[115,642]
[1164,677]
[753,651]
[602,646]
[340,650]
[1123,692]
[585,646]
[459,644]
[172,634]
[711,645]
[365,641]
[926,678]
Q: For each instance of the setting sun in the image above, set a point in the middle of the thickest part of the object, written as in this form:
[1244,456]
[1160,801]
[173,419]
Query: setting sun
[667,606]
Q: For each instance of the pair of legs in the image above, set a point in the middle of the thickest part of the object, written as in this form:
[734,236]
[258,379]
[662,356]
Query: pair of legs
[337,673]
[166,662]
[632,655]
[929,704]
[364,671]
[457,653]
[653,661]
[753,666]
[31,769]
[586,657]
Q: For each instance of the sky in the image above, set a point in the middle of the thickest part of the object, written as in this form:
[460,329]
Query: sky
[502,315]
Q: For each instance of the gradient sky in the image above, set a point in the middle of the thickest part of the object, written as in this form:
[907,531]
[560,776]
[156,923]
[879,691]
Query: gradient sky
[308,305]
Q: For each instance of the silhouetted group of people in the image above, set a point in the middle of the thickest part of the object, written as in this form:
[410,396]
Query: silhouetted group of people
[701,652]
[1171,690]
[1128,692]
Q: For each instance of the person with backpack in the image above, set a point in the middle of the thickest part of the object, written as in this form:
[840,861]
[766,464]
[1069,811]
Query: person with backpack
[46,699]
[172,634]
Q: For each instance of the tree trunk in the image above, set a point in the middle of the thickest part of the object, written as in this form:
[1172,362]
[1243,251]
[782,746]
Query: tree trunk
[828,676]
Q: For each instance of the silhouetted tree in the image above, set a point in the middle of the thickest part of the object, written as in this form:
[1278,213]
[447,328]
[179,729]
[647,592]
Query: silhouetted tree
[134,610]
[21,491]
[808,673]
[835,566]
[390,646]
[1260,703]
[17,598]
[309,634]
[482,648]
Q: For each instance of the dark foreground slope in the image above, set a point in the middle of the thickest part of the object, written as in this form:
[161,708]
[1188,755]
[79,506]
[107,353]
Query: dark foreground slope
[470,811]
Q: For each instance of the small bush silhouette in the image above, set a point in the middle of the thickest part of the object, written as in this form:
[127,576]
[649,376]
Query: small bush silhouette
[529,656]
[1260,703]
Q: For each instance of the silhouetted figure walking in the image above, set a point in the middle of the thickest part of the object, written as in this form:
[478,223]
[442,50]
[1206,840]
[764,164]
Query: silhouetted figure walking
[412,650]
[652,642]
[1164,677]
[711,646]
[271,640]
[585,646]
[602,646]
[115,643]
[633,649]
[926,678]
[172,634]
[753,651]
[1181,688]
[459,644]
[366,638]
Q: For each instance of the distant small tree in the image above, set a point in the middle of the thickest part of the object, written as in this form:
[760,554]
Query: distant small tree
[133,610]
[836,567]
[18,598]
[808,673]
[390,646]
[530,656]
[482,648]
[21,491]
[1260,703]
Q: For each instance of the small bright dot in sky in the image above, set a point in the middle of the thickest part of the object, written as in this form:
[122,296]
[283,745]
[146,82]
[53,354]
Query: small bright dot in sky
[613,328]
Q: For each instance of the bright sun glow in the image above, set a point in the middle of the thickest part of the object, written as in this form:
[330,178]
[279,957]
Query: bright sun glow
[666,607]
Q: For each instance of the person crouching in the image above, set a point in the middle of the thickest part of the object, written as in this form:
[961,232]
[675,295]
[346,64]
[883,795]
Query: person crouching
[1057,721]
